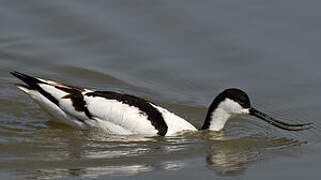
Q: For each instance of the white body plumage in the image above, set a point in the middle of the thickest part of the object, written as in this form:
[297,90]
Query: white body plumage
[111,115]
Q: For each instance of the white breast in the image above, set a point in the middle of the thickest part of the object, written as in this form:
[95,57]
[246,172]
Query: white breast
[175,123]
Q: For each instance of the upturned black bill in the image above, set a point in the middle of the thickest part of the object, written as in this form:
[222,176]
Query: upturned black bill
[279,124]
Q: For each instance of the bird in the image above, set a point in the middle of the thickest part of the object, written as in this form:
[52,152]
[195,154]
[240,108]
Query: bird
[125,114]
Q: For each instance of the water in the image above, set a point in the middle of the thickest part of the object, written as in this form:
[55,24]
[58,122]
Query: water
[179,54]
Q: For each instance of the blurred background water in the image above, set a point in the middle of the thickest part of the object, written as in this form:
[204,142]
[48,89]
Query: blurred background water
[178,54]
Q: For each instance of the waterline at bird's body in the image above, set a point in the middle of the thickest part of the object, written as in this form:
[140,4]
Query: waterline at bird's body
[118,113]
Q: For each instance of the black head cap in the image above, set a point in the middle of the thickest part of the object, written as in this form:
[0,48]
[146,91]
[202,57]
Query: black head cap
[234,94]
[237,95]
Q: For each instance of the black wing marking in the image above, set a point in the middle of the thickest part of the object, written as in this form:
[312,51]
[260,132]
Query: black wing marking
[77,100]
[153,115]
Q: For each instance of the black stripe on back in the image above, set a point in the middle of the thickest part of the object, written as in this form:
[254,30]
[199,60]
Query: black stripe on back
[153,115]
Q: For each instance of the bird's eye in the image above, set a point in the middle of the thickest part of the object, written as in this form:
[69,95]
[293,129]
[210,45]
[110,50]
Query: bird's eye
[243,103]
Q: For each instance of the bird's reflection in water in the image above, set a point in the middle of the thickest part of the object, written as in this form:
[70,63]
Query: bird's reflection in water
[89,154]
[90,172]
[225,158]
[64,153]
[92,154]
[230,156]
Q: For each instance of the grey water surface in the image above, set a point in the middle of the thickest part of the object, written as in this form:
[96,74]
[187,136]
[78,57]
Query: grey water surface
[180,55]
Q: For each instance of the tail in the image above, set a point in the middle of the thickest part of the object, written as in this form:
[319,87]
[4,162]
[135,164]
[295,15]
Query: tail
[60,100]
[33,84]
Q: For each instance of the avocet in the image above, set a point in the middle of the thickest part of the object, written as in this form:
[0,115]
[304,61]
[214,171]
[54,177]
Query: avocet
[124,114]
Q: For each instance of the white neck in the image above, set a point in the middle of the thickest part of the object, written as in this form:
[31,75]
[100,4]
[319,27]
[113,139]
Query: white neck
[218,119]
[224,111]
